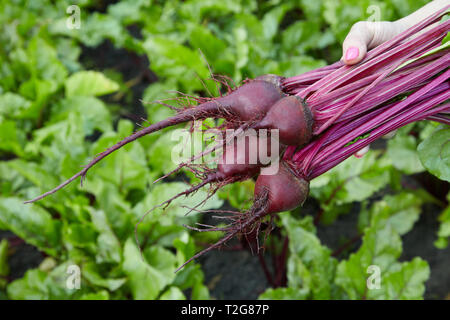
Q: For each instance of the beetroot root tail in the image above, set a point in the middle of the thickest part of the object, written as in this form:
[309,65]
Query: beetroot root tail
[257,212]
[203,111]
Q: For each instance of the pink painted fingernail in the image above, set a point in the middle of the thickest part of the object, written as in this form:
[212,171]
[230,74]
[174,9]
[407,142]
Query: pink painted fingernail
[352,53]
[362,152]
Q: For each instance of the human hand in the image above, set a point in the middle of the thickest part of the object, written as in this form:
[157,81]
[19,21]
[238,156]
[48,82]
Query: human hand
[365,35]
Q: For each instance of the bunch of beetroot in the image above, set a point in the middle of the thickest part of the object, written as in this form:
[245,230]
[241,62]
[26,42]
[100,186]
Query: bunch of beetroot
[321,117]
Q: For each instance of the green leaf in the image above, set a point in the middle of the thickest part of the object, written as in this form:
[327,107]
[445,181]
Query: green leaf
[446,39]
[43,62]
[97,27]
[352,180]
[272,19]
[40,285]
[173,293]
[304,35]
[112,202]
[191,276]
[380,251]
[170,59]
[91,273]
[381,247]
[158,91]
[175,212]
[129,11]
[127,167]
[284,294]
[100,295]
[434,153]
[310,265]
[406,283]
[13,105]
[32,223]
[12,138]
[160,153]
[30,287]
[147,279]
[211,46]
[298,65]
[36,174]
[108,246]
[402,152]
[238,194]
[200,292]
[77,235]
[444,227]
[402,211]
[39,91]
[91,112]
[89,83]
[4,267]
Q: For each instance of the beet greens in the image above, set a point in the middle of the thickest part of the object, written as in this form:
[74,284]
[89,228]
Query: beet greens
[323,117]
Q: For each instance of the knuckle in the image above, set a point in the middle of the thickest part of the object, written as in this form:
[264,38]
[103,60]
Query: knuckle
[359,26]
[380,32]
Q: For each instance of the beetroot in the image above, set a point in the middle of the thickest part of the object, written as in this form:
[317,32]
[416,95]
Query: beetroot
[283,191]
[244,156]
[292,117]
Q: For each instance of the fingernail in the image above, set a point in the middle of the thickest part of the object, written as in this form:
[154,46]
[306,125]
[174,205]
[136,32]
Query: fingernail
[362,152]
[352,53]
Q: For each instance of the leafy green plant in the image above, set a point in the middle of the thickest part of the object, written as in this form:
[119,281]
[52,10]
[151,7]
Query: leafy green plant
[55,111]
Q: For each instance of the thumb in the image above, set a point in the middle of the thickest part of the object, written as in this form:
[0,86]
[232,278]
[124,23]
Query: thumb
[365,35]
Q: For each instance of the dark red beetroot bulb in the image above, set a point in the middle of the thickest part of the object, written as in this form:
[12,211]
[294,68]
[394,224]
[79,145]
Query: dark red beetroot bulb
[253,99]
[284,190]
[292,118]
[243,156]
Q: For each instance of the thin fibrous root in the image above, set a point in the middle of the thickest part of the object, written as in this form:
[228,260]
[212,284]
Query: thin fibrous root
[215,147]
[212,177]
[238,226]
[203,112]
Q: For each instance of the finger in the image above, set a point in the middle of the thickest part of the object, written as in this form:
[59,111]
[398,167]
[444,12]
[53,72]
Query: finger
[362,152]
[354,47]
[365,35]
